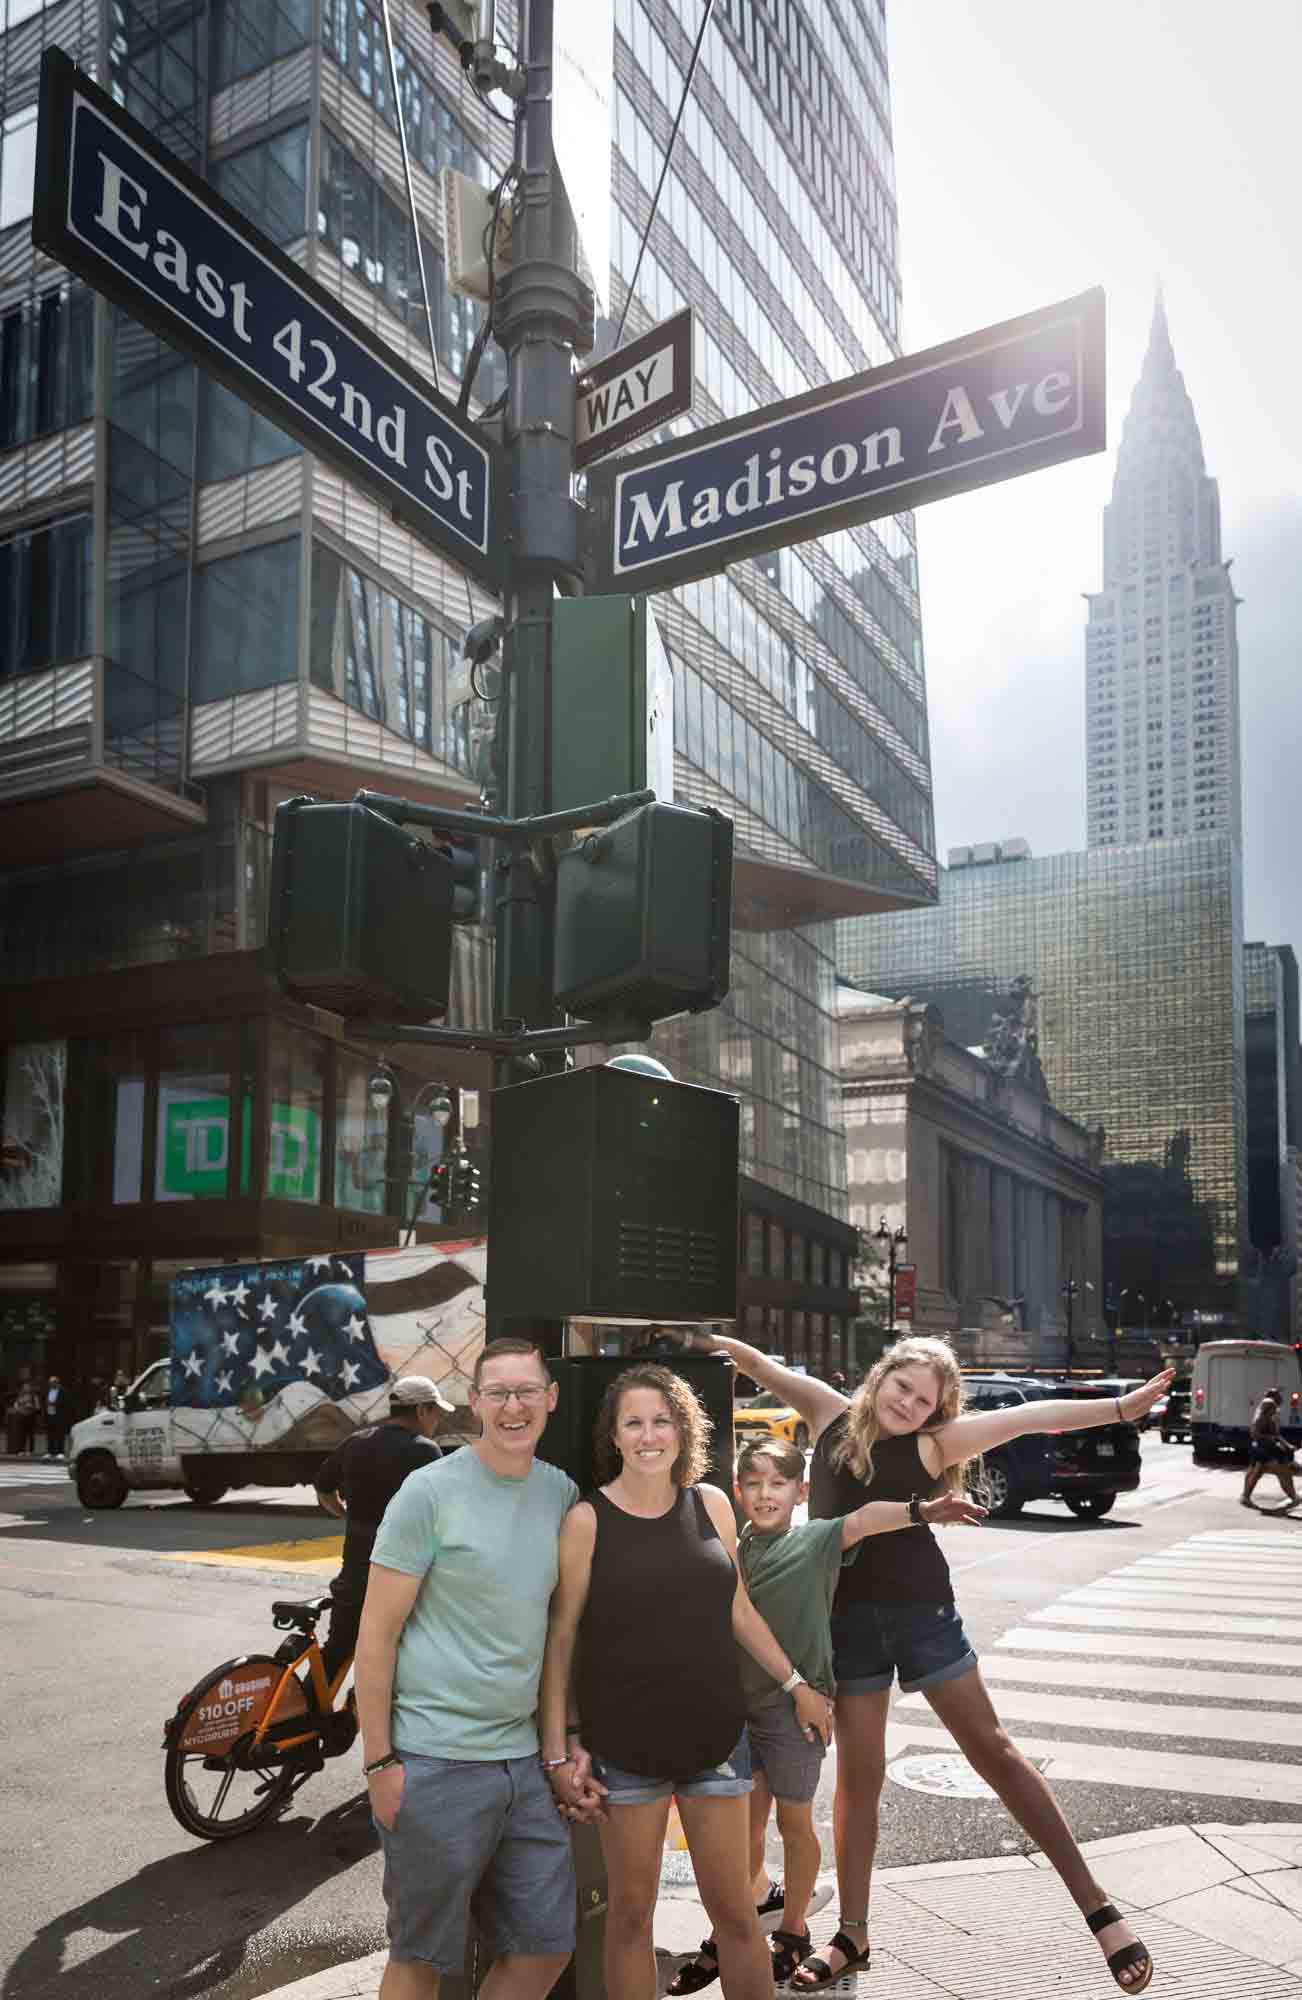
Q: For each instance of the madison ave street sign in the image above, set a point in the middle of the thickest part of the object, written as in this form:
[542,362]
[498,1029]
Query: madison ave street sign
[1010,399]
[634,390]
[139,226]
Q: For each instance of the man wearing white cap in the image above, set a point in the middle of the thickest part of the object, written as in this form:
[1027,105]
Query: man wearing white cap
[357,1482]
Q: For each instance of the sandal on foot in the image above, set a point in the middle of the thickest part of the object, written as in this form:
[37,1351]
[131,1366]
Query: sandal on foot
[789,1949]
[823,1974]
[698,1972]
[1127,1955]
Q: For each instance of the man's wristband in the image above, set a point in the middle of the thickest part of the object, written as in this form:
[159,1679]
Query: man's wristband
[554,1763]
[380,1763]
[795,1679]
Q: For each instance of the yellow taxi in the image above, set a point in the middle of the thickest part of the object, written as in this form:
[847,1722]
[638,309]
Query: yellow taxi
[767,1416]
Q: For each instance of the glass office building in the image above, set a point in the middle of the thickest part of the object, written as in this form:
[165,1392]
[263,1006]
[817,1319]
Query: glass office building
[1135,955]
[198,619]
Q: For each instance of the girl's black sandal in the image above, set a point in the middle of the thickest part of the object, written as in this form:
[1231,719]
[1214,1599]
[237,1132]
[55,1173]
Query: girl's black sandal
[790,1949]
[855,1961]
[698,1972]
[1126,1955]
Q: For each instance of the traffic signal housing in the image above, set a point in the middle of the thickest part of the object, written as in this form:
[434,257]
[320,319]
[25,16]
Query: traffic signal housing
[361,912]
[644,915]
[613,1195]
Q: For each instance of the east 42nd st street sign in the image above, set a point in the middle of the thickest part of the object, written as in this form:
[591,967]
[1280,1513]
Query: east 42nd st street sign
[140,227]
[1007,400]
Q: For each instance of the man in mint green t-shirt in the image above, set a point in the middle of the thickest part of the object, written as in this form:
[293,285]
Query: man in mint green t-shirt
[447,1666]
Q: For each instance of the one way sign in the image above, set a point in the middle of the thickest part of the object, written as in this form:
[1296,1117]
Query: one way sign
[634,390]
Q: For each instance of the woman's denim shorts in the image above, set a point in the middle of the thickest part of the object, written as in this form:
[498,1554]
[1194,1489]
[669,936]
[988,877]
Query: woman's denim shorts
[924,1643]
[729,1780]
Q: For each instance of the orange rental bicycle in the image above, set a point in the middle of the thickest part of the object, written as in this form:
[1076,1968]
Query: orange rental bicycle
[251,1732]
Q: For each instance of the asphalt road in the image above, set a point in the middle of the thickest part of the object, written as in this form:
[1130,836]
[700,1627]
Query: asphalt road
[103,1896]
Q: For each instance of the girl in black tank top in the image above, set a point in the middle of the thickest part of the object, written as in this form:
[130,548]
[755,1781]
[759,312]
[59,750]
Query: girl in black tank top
[650,1598]
[903,1436]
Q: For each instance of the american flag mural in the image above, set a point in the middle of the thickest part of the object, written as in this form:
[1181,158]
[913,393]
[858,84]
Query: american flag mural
[243,1334]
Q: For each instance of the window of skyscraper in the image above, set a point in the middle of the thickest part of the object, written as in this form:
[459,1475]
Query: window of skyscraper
[382,656]
[46,364]
[246,621]
[17,166]
[268,182]
[249,34]
[45,596]
[233,436]
[353,34]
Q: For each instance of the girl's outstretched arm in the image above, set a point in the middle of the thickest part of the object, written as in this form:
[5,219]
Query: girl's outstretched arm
[967,1437]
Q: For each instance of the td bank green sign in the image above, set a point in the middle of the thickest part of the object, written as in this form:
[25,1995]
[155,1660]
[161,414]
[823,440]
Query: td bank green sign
[196,1149]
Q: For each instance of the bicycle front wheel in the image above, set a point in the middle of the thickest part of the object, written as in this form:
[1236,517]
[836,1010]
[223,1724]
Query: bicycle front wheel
[212,1789]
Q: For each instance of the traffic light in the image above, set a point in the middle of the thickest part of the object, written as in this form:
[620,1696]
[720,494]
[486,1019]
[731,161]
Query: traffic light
[467,1194]
[361,912]
[644,915]
[469,861]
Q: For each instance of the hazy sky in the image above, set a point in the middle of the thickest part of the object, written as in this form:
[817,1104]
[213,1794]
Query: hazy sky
[1042,149]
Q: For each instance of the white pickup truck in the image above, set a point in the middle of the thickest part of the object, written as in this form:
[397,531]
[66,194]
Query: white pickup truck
[272,1364]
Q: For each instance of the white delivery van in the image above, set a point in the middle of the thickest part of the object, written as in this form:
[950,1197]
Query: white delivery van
[272,1364]
[1229,1379]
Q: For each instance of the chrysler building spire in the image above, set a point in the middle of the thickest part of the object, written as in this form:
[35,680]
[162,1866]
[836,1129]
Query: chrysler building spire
[1162,751]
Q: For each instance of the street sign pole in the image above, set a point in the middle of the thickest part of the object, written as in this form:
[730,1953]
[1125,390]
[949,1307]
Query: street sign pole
[539,309]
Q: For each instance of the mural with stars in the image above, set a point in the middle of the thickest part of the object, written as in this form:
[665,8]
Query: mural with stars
[301,1351]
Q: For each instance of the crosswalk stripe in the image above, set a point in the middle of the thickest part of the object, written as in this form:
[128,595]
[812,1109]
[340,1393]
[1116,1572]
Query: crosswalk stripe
[1133,1678]
[1146,1770]
[1214,1725]
[1122,1645]
[1170,1619]
[1267,1541]
[1214,1580]
[40,1475]
[1260,1562]
[1227,1572]
[1139,1590]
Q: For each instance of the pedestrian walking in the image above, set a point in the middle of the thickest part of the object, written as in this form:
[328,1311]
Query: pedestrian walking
[356,1484]
[446,1673]
[792,1573]
[56,1417]
[25,1409]
[651,1605]
[903,1437]
[1269,1452]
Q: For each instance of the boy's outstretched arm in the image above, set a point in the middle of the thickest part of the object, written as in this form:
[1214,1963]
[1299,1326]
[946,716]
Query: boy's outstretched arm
[883,1517]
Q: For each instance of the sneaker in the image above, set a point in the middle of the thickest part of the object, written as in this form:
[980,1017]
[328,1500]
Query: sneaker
[769,1911]
[1245,1502]
[773,1903]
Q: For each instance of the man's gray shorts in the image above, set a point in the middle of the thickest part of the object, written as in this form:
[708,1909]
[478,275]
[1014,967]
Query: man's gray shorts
[483,1839]
[782,1753]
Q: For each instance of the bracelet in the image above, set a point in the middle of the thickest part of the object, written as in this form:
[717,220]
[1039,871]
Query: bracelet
[795,1679]
[554,1763]
[573,1729]
[1121,1415]
[381,1764]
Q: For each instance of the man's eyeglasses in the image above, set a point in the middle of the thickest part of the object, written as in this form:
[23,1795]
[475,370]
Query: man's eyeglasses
[500,1394]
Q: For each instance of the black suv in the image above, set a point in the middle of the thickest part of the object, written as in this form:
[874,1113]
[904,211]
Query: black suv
[1086,1469]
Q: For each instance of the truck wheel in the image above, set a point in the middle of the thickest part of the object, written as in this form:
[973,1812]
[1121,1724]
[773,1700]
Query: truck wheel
[1092,1506]
[99,1481]
[1167,1436]
[205,1492]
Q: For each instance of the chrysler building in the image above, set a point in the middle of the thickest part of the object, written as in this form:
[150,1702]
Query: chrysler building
[1162,663]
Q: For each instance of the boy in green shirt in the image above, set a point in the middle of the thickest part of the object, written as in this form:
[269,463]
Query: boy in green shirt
[791,1572]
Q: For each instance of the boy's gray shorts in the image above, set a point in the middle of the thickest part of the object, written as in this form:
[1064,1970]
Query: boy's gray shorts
[782,1753]
[481,1838]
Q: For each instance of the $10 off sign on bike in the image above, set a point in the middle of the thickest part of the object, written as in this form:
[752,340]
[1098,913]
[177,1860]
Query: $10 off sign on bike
[235,1704]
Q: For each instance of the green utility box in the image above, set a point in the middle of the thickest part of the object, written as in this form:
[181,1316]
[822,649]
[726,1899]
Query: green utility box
[644,916]
[361,913]
[612,706]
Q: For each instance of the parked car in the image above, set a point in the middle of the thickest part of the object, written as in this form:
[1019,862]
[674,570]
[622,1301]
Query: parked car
[1121,1385]
[768,1416]
[1084,1469]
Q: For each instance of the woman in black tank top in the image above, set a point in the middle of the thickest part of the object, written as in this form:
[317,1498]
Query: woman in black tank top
[903,1436]
[650,1600]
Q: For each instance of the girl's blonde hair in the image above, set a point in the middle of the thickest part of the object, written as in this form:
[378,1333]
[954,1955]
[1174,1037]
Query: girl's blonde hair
[854,1448]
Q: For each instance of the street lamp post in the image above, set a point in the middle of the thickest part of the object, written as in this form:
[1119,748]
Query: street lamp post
[1071,1291]
[384,1092]
[895,1240]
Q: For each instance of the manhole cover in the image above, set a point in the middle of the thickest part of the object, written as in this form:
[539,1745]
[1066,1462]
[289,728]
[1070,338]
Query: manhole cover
[944,1777]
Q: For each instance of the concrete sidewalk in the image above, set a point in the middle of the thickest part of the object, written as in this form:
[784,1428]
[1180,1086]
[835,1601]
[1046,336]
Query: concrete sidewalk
[1219,1907]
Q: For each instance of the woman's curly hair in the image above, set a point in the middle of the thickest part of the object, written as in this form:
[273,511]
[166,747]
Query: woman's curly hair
[691,1423]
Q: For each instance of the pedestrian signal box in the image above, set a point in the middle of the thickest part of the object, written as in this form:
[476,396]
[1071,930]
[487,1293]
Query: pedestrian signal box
[361,913]
[613,1195]
[644,916]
